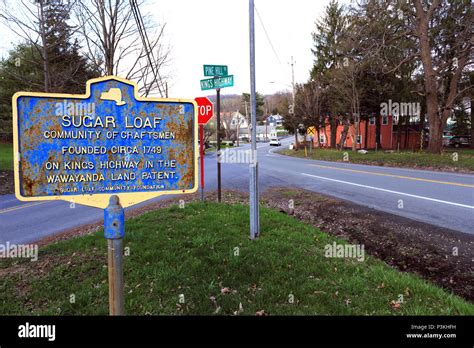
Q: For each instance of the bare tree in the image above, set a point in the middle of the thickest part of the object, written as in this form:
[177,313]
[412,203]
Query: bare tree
[442,76]
[435,38]
[119,40]
[346,83]
[28,21]
[310,103]
[226,123]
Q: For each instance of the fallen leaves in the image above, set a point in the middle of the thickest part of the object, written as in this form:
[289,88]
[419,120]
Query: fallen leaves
[226,290]
[240,310]
[395,305]
[217,308]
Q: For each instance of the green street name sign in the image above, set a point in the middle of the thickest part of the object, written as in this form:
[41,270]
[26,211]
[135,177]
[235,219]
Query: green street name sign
[215,70]
[218,82]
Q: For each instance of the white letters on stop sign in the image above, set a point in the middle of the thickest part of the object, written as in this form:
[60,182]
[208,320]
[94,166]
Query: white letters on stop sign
[205,110]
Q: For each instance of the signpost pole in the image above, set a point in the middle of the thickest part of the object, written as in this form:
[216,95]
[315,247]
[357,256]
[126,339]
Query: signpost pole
[201,139]
[114,230]
[218,99]
[254,207]
[205,112]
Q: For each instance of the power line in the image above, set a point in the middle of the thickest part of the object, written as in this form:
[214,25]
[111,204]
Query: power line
[160,84]
[266,34]
[146,44]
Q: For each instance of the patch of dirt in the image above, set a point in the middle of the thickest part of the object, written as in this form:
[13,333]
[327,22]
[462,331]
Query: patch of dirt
[402,243]
[6,182]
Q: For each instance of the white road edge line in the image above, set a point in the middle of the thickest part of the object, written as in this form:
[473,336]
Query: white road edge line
[347,164]
[390,191]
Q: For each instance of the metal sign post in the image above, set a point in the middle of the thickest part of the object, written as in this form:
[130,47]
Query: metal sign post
[220,80]
[253,185]
[218,98]
[205,113]
[201,155]
[311,131]
[114,231]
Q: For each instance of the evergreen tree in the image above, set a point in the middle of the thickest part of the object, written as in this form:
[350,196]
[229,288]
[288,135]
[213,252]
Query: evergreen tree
[69,71]
[21,71]
[260,104]
[328,55]
[53,64]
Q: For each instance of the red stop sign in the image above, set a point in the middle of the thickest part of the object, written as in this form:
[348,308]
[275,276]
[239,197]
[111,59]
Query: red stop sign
[205,109]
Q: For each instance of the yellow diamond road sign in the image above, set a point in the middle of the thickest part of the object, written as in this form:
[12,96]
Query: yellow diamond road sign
[311,131]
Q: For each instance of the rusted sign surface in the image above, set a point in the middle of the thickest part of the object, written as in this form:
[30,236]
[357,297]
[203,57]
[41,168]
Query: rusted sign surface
[85,148]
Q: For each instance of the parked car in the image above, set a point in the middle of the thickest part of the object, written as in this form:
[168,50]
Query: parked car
[460,141]
[275,142]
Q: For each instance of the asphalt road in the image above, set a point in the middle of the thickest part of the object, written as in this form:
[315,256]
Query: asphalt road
[438,198]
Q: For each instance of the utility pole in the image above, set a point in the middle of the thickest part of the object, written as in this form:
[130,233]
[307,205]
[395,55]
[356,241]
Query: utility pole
[293,100]
[238,127]
[293,81]
[218,97]
[266,130]
[253,185]
[249,126]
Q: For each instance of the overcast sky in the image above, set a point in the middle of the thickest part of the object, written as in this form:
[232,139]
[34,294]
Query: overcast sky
[217,32]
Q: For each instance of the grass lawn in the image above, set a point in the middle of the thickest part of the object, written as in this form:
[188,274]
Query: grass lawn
[447,160]
[203,252]
[6,156]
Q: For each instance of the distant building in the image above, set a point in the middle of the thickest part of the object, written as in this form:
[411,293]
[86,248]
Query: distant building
[275,120]
[234,119]
[391,137]
[264,133]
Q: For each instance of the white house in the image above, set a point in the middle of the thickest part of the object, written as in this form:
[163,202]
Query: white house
[275,120]
[238,119]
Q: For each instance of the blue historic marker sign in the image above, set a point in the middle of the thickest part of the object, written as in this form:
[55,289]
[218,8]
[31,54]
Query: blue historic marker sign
[85,148]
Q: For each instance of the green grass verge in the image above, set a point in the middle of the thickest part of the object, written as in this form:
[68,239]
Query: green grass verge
[6,156]
[192,251]
[446,160]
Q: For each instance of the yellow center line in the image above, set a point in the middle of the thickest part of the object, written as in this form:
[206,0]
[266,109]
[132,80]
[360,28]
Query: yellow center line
[7,210]
[395,176]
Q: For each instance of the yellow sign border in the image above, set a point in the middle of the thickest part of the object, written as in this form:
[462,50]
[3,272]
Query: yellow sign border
[99,200]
